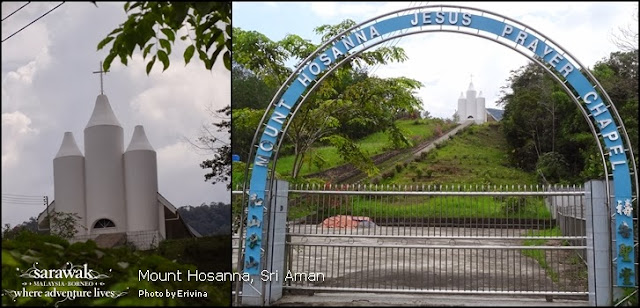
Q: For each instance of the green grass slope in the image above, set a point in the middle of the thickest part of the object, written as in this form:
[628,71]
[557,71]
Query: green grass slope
[325,157]
[476,156]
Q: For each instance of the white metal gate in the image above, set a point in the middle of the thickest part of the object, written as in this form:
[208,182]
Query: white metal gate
[437,239]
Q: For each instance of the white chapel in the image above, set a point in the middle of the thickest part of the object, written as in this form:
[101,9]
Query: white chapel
[114,191]
[471,107]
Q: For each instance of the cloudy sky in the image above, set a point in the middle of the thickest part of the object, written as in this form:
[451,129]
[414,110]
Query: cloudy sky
[444,62]
[48,88]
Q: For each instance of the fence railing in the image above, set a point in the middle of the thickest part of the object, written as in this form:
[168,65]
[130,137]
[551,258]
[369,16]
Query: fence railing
[438,238]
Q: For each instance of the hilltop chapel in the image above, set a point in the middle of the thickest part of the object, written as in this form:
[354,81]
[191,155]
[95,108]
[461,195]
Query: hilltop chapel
[471,107]
[113,191]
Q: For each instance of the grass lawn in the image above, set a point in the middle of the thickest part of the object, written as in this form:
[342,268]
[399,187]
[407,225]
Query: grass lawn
[402,207]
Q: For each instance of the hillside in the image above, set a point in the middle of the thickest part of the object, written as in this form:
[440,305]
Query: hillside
[478,155]
[211,219]
[322,158]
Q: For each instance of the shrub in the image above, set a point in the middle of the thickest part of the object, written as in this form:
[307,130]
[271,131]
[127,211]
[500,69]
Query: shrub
[551,168]
[428,173]
[512,205]
[388,174]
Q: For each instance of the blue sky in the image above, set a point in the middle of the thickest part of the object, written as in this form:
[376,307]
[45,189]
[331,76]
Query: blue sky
[444,62]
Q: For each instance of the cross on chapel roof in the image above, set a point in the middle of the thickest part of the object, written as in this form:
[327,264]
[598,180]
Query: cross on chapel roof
[101,72]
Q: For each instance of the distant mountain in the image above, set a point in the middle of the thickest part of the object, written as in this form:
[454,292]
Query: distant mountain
[497,114]
[211,219]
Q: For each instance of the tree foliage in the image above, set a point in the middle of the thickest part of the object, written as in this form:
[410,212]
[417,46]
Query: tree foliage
[250,90]
[64,225]
[121,265]
[345,105]
[547,133]
[154,26]
[245,121]
[626,37]
[208,219]
[220,164]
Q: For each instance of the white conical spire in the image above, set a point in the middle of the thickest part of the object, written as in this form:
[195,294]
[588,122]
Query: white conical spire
[471,88]
[139,141]
[102,113]
[461,94]
[480,94]
[69,147]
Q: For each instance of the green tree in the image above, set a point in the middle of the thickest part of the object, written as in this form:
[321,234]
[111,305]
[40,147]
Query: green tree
[618,75]
[244,121]
[343,104]
[64,225]
[154,26]
[249,90]
[546,132]
[220,164]
[551,168]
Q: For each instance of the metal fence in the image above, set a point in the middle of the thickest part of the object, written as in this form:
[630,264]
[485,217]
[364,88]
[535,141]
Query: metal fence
[435,239]
[569,213]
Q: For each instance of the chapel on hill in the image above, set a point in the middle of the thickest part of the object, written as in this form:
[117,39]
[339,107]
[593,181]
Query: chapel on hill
[471,107]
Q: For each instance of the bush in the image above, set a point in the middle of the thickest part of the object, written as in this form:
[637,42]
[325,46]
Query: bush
[388,174]
[428,173]
[551,168]
[121,265]
[512,205]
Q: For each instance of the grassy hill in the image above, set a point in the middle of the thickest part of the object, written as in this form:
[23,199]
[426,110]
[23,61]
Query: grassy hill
[476,156]
[325,157]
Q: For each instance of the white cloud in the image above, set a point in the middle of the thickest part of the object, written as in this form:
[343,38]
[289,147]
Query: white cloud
[16,131]
[176,162]
[444,61]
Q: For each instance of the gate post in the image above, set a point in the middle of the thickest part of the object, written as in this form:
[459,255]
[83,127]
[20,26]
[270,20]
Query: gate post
[265,288]
[277,241]
[598,243]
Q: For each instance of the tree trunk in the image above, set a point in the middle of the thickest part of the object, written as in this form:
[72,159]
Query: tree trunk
[294,170]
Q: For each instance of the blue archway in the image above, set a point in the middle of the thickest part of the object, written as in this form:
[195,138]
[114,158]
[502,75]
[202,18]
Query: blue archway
[600,113]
